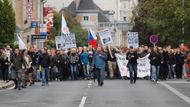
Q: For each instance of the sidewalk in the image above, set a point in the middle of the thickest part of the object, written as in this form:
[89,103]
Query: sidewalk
[4,85]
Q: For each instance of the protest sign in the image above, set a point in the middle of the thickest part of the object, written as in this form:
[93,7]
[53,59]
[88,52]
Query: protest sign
[122,64]
[132,39]
[105,37]
[143,67]
[59,42]
[65,41]
[69,41]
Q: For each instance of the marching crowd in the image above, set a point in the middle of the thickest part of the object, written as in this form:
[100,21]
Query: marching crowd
[25,67]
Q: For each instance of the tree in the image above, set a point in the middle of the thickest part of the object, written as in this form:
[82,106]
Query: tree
[164,18]
[7,23]
[74,27]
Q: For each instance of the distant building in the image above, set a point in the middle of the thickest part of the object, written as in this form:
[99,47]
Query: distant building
[88,14]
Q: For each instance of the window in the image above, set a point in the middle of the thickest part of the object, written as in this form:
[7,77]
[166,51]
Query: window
[125,18]
[86,18]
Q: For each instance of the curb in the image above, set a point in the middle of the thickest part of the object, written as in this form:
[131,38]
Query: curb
[8,85]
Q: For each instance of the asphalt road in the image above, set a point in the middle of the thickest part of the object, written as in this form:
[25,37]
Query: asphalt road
[114,93]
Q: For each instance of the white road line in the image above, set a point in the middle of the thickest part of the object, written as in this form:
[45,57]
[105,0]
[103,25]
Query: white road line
[175,82]
[180,95]
[82,101]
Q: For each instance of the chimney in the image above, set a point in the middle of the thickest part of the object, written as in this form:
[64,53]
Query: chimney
[77,3]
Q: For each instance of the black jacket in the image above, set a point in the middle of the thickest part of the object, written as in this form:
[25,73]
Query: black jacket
[132,57]
[180,58]
[44,60]
[155,58]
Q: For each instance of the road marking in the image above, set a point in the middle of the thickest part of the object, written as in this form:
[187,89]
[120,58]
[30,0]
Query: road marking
[175,82]
[82,101]
[180,95]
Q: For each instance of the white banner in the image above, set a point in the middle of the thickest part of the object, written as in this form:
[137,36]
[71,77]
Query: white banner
[143,67]
[133,39]
[105,37]
[65,42]
[122,64]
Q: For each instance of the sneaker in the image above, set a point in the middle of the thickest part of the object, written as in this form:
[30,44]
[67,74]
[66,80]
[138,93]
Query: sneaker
[102,83]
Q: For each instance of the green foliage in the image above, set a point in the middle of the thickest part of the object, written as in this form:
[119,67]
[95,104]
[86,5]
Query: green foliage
[164,18]
[74,27]
[7,23]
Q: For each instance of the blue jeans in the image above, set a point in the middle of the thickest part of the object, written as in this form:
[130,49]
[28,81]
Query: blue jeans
[86,71]
[133,72]
[155,72]
[73,71]
[45,75]
[100,73]
[170,71]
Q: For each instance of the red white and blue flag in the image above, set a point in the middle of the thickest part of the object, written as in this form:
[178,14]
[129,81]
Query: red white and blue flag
[92,38]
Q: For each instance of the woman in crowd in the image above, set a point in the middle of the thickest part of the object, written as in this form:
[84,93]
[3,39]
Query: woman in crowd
[4,66]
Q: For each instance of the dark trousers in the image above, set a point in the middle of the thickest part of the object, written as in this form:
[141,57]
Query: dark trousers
[133,72]
[5,74]
[179,70]
[100,73]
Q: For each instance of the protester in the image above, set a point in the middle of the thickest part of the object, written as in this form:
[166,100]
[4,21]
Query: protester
[171,60]
[28,69]
[17,62]
[74,60]
[180,60]
[91,65]
[100,63]
[187,65]
[155,60]
[44,61]
[4,66]
[132,64]
[84,58]
[111,61]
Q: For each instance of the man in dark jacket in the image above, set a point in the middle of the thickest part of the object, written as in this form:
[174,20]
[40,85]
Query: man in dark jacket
[44,61]
[17,62]
[132,64]
[155,60]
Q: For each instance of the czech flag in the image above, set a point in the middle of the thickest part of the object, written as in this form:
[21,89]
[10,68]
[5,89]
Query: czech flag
[92,38]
